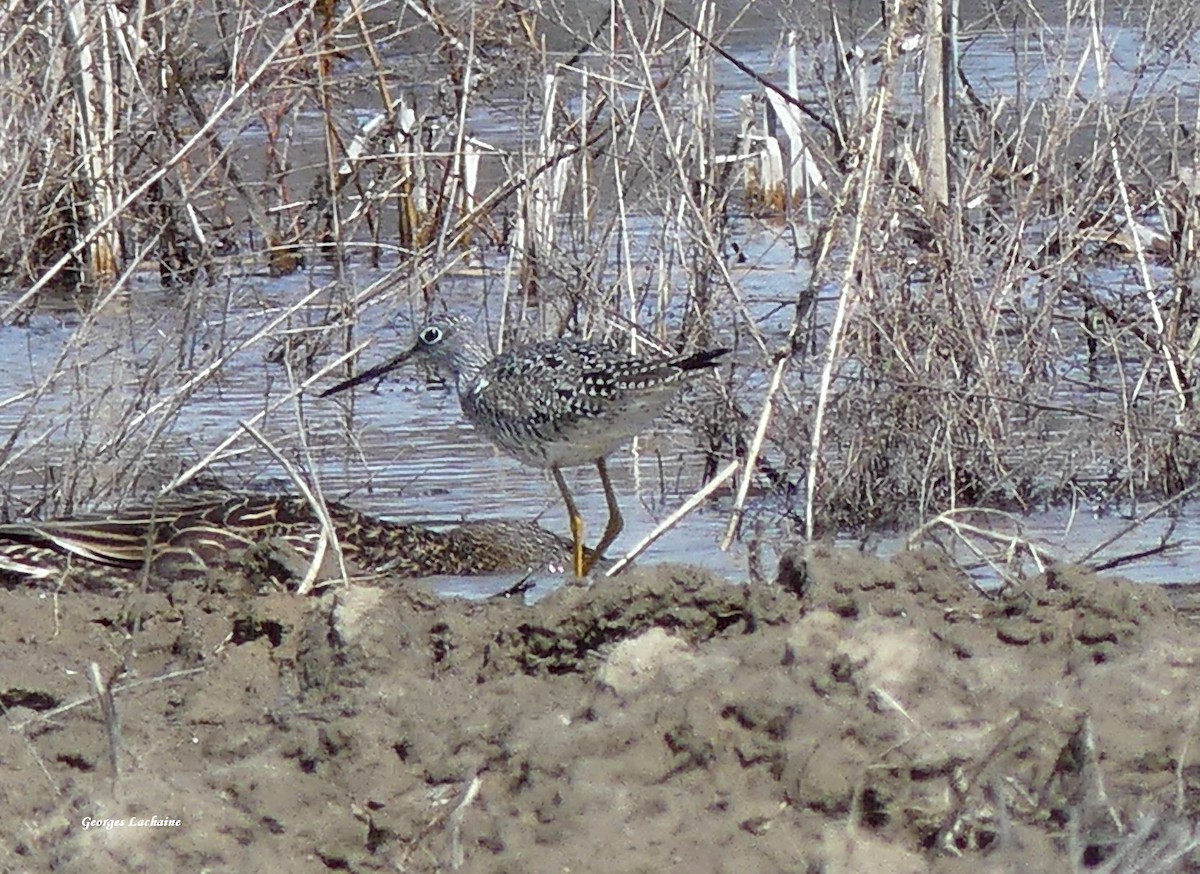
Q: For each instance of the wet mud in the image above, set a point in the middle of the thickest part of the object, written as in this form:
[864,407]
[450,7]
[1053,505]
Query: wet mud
[853,714]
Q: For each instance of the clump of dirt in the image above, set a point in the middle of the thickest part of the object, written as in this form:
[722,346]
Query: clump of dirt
[857,714]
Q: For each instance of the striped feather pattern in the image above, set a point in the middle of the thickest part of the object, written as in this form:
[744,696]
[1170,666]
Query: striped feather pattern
[190,540]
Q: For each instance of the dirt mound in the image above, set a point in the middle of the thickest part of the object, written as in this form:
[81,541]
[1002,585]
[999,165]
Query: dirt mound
[857,715]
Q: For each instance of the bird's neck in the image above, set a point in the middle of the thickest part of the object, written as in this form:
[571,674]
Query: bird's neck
[472,357]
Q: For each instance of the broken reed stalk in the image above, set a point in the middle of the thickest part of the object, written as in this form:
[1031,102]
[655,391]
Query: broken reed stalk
[455,821]
[112,723]
[1005,565]
[935,85]
[103,222]
[536,234]
[626,280]
[677,515]
[95,80]
[866,180]
[455,197]
[1099,52]
[756,445]
[691,201]
[329,538]
[46,716]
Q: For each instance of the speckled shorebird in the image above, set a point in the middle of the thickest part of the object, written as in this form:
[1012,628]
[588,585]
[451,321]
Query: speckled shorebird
[551,404]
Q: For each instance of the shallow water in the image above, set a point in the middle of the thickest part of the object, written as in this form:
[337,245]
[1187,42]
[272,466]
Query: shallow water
[400,450]
[1063,536]
[405,453]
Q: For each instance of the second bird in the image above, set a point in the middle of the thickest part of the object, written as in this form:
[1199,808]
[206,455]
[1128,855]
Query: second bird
[551,404]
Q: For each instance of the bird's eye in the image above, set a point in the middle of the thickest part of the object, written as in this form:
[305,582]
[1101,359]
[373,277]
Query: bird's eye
[431,336]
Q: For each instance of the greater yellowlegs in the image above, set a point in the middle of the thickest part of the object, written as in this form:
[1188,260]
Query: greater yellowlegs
[551,404]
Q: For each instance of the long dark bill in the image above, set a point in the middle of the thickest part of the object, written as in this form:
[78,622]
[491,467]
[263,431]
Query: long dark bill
[368,375]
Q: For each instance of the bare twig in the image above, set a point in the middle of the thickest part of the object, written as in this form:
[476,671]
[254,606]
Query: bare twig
[112,723]
[455,822]
[673,519]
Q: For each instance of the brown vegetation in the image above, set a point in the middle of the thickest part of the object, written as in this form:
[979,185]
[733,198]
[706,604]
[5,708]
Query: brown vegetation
[987,305]
[1000,318]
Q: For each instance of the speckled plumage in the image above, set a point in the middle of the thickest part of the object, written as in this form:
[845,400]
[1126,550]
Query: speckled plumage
[554,403]
[569,402]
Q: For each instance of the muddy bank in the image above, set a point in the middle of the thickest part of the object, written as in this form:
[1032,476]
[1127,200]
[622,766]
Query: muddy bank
[856,715]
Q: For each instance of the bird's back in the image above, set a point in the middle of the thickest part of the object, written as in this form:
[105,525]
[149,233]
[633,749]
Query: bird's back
[568,402]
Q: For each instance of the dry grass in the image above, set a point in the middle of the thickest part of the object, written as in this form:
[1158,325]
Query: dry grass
[1004,318]
[1018,347]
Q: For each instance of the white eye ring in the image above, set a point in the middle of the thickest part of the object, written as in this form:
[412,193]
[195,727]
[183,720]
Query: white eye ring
[431,335]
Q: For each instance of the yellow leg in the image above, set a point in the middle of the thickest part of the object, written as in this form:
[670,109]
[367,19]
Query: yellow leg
[581,567]
[576,522]
[615,522]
